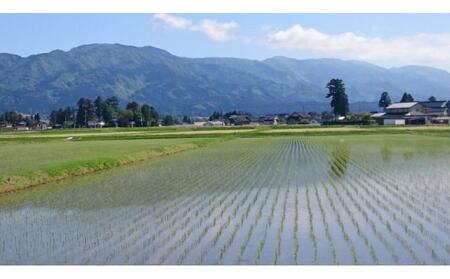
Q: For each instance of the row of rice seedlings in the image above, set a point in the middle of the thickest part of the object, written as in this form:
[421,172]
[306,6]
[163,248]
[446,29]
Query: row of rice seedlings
[311,225]
[232,215]
[262,242]
[210,246]
[406,229]
[304,171]
[325,223]
[360,209]
[296,166]
[250,236]
[379,233]
[167,190]
[350,215]
[434,197]
[353,222]
[134,221]
[382,218]
[398,237]
[417,200]
[288,162]
[33,236]
[235,212]
[422,184]
[270,164]
[426,213]
[240,223]
[85,238]
[188,226]
[407,216]
[296,222]
[133,225]
[414,203]
[443,222]
[311,155]
[236,191]
[256,220]
[415,236]
[428,187]
[199,203]
[281,228]
[120,217]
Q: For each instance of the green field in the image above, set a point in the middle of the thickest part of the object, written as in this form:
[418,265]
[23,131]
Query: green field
[261,196]
[38,157]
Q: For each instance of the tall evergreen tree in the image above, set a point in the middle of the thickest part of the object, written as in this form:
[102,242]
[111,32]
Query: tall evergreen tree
[86,112]
[111,111]
[99,105]
[339,99]
[149,115]
[137,114]
[407,98]
[385,100]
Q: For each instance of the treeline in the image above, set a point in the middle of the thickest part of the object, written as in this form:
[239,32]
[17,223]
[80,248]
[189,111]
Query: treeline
[106,111]
[14,118]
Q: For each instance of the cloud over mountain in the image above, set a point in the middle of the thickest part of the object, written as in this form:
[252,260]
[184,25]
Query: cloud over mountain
[428,49]
[215,30]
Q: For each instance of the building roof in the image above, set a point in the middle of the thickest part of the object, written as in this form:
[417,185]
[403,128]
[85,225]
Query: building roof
[378,114]
[402,105]
[401,115]
[299,115]
[239,118]
[436,104]
[215,122]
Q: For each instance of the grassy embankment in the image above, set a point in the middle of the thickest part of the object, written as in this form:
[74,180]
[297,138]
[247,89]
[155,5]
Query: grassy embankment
[33,158]
[25,163]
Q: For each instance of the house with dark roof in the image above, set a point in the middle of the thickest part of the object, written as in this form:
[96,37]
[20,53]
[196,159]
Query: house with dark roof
[239,120]
[270,119]
[437,111]
[299,118]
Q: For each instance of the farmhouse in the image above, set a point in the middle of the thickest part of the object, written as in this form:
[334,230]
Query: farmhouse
[22,126]
[437,111]
[43,124]
[95,124]
[402,114]
[200,123]
[414,113]
[239,120]
[271,119]
[215,123]
[299,118]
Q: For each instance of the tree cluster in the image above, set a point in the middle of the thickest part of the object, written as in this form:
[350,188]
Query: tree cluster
[14,118]
[107,111]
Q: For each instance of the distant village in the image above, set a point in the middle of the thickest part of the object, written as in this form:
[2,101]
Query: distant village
[407,113]
[101,113]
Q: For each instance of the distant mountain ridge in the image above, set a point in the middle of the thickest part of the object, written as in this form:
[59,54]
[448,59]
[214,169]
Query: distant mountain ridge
[198,86]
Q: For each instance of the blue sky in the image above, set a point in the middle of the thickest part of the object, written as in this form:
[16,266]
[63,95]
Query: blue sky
[383,39]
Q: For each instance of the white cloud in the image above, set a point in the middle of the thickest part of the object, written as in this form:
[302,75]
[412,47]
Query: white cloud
[172,21]
[218,31]
[214,30]
[426,49]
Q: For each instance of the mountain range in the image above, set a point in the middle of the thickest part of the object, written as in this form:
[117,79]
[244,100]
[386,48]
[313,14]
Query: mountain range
[198,86]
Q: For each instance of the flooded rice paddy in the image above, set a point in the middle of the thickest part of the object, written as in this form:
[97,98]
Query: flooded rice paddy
[297,200]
